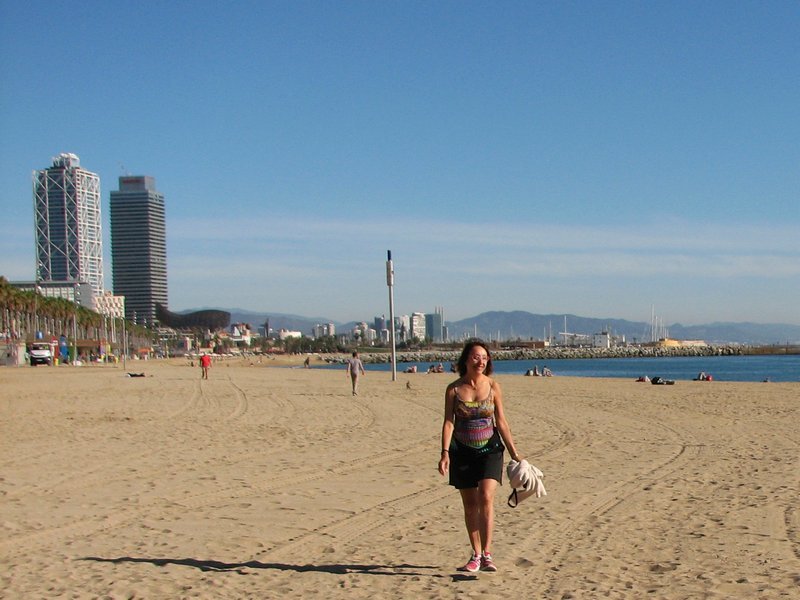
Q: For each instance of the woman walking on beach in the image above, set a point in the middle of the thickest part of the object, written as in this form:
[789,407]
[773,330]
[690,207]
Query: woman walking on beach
[354,368]
[472,450]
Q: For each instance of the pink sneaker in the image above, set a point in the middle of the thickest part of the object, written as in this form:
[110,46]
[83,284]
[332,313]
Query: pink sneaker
[487,564]
[472,565]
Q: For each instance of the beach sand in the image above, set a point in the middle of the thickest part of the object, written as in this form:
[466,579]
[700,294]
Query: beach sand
[277,483]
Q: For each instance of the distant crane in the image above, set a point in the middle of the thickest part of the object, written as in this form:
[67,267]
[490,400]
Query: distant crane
[572,336]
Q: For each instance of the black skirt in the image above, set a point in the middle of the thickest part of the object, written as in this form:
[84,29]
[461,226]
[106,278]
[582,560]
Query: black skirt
[468,467]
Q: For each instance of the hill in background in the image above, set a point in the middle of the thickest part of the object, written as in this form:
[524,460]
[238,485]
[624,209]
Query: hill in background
[524,325]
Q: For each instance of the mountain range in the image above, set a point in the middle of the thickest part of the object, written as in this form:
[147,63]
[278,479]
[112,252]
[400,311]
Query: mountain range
[525,326]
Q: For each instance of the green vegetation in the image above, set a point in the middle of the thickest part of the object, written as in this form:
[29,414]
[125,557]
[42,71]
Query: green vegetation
[22,313]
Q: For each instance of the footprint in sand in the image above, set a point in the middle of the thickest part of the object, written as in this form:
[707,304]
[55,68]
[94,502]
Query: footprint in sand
[524,563]
[663,567]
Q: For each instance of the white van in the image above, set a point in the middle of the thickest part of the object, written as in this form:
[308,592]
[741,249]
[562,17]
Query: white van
[41,354]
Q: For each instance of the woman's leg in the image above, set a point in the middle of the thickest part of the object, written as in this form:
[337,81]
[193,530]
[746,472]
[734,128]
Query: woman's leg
[470,498]
[485,498]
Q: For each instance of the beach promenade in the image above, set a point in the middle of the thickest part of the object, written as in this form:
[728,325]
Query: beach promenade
[277,483]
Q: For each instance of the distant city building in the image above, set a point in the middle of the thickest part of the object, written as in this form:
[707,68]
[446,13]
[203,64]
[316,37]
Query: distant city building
[417,326]
[139,247]
[434,324]
[402,326]
[285,334]
[360,331]
[324,330]
[363,333]
[72,291]
[110,305]
[601,340]
[66,210]
[381,329]
[240,334]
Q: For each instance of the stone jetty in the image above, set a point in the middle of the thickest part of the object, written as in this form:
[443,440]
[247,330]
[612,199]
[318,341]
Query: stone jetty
[437,356]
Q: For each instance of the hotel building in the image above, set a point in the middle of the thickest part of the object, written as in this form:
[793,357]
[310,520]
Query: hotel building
[139,247]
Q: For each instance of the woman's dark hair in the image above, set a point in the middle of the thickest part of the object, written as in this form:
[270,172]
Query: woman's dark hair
[468,347]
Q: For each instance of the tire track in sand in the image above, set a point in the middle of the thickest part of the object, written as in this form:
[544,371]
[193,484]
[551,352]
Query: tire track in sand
[345,530]
[94,525]
[581,530]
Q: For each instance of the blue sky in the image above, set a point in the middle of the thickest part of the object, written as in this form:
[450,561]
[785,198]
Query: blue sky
[595,158]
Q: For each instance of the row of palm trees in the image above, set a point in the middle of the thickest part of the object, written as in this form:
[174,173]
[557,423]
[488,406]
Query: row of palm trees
[22,313]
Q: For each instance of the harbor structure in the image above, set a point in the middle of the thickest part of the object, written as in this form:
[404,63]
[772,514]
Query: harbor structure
[139,247]
[67,219]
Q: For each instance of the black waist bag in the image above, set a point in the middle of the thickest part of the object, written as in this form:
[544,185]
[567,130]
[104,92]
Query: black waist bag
[493,446]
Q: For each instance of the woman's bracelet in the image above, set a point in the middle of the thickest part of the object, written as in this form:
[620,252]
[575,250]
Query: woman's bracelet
[445,450]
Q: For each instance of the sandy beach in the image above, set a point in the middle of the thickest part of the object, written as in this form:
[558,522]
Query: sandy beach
[277,483]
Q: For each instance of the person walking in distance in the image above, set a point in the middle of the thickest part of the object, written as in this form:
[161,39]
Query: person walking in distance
[205,364]
[355,368]
[473,433]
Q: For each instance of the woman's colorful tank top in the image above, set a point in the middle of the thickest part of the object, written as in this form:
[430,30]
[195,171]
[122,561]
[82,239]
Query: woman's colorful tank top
[474,421]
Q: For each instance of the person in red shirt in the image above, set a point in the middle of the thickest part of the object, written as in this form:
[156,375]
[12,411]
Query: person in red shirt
[205,363]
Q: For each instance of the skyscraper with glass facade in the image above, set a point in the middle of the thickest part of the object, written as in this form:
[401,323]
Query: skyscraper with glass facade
[434,324]
[139,247]
[69,240]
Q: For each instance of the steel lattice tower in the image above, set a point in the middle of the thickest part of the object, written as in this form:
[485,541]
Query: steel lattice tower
[69,240]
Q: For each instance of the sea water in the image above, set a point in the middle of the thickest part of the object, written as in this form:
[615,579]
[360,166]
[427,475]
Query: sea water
[721,368]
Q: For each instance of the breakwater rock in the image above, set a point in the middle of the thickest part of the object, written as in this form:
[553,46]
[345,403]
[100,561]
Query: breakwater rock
[434,356]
